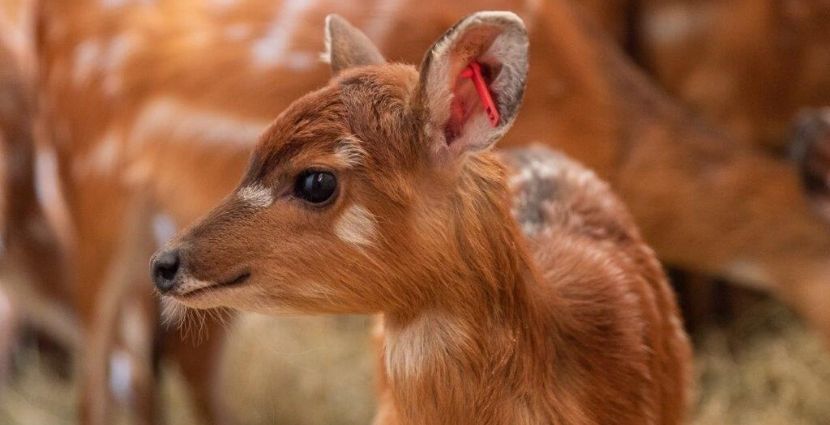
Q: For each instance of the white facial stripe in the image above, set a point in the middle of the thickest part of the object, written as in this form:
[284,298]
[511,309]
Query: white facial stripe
[356,226]
[350,153]
[257,196]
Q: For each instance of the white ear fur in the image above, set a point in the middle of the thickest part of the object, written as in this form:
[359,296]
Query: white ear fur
[496,40]
[347,46]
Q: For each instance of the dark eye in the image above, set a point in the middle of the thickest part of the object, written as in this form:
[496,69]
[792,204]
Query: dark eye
[315,186]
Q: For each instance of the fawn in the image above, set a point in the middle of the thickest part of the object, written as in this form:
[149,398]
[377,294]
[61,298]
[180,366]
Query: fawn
[132,107]
[377,193]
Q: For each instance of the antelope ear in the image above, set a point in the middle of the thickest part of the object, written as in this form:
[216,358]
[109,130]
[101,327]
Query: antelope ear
[347,46]
[811,151]
[453,100]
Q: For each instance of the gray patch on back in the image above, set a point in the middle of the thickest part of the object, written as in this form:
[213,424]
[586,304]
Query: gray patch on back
[534,179]
[553,193]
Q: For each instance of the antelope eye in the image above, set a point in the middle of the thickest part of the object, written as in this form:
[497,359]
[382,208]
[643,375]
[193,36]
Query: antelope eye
[315,187]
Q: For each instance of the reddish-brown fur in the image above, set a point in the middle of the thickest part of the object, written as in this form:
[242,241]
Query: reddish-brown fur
[747,65]
[32,265]
[575,325]
[703,202]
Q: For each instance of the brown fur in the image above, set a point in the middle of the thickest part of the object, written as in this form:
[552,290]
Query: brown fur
[32,267]
[701,200]
[747,65]
[575,325]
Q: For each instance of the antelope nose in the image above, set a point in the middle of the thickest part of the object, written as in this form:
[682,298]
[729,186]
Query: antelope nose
[164,268]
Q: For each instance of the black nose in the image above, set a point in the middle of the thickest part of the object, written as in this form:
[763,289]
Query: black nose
[164,268]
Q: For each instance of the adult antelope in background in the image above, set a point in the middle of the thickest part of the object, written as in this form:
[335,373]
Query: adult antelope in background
[377,193]
[33,286]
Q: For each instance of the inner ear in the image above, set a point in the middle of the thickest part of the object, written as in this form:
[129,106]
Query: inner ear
[471,94]
[472,81]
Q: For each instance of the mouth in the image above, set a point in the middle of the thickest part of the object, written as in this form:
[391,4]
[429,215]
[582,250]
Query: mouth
[230,283]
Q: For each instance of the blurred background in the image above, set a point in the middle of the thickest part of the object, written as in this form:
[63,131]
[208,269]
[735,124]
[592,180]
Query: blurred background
[122,121]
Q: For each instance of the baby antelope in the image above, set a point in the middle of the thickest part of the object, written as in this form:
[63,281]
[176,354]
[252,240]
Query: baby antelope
[378,193]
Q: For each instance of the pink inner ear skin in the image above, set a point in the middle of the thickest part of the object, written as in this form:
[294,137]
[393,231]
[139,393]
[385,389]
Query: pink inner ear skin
[473,72]
[471,95]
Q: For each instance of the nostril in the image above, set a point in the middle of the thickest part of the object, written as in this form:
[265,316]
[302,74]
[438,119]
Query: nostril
[168,268]
[165,267]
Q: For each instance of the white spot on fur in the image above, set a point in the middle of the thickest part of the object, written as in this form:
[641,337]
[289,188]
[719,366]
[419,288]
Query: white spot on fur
[115,55]
[121,372]
[113,4]
[49,194]
[406,349]
[381,20]
[674,23]
[222,4]
[137,173]
[163,228]
[411,346]
[531,10]
[46,177]
[356,226]
[92,57]
[168,119]
[299,61]
[86,54]
[135,328]
[750,273]
[238,32]
[537,168]
[257,196]
[17,30]
[270,50]
[103,158]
